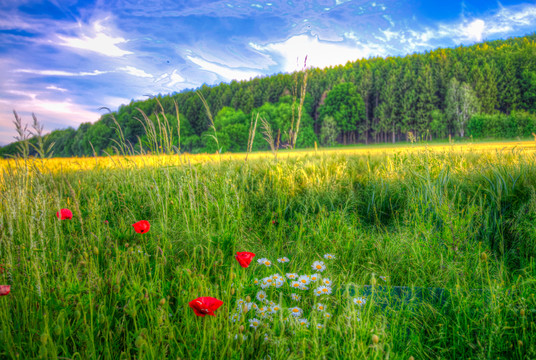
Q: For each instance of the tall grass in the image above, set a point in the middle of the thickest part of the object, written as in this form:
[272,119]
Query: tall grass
[92,288]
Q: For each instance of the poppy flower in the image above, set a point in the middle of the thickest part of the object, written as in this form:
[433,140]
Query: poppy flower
[5,289]
[141,227]
[244,258]
[64,214]
[205,305]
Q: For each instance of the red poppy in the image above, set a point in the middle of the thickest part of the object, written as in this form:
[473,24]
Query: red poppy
[244,258]
[64,214]
[5,289]
[141,227]
[205,305]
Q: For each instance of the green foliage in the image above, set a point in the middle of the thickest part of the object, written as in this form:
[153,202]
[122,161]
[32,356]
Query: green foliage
[377,99]
[459,223]
[329,132]
[346,106]
[518,123]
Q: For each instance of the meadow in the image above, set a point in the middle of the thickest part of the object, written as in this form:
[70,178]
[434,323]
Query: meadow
[426,252]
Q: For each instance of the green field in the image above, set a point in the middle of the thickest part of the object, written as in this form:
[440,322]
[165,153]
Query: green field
[461,224]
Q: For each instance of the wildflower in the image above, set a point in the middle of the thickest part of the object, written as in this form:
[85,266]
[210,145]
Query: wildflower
[265,261]
[296,311]
[235,317]
[326,282]
[329,256]
[295,297]
[254,323]
[205,306]
[291,276]
[141,227]
[64,214]
[320,307]
[256,282]
[319,326]
[295,285]
[264,284]
[313,277]
[384,278]
[244,258]
[279,283]
[322,290]
[261,296]
[318,266]
[283,260]
[303,322]
[248,306]
[360,301]
[304,280]
[5,289]
[244,337]
[275,308]
[240,303]
[327,315]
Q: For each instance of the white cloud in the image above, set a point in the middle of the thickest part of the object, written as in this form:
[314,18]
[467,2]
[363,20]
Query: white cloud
[474,30]
[60,72]
[319,53]
[223,71]
[53,114]
[54,87]
[99,40]
[170,79]
[135,72]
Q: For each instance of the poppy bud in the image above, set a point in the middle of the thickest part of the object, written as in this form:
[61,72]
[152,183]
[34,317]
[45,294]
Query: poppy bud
[248,298]
[484,256]
[141,227]
[520,343]
[64,214]
[57,330]
[96,250]
[140,341]
[126,245]
[232,291]
[522,312]
[162,302]
[375,339]
[241,328]
[411,358]
[44,339]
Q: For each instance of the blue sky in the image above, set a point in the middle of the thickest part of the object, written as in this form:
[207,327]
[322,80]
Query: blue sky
[65,59]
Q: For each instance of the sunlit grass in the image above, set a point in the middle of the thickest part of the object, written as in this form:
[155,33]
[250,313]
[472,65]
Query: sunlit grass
[458,218]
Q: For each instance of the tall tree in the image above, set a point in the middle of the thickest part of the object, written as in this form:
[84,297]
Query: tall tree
[461,104]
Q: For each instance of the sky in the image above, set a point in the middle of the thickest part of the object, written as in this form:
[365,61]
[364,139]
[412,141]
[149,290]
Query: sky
[65,59]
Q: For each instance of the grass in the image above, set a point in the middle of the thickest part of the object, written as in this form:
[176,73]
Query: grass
[459,218]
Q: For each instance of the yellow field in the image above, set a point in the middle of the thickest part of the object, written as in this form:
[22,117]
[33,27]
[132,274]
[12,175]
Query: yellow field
[89,163]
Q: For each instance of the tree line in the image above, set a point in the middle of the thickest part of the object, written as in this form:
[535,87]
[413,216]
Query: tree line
[478,90]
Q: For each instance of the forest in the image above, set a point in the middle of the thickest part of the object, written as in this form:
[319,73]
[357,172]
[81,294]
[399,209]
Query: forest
[487,90]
